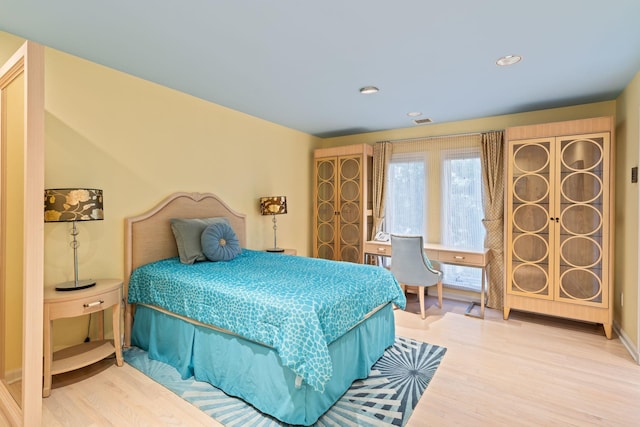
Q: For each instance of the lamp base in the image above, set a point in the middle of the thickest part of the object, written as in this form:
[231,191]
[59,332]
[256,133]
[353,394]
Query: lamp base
[275,250]
[73,286]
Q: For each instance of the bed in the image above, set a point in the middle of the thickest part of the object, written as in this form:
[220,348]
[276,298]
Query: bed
[287,334]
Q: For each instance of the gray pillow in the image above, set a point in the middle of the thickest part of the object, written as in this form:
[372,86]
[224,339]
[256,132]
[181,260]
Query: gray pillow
[187,232]
[220,243]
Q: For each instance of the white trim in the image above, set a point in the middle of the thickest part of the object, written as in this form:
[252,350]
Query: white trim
[637,348]
[13,376]
[628,343]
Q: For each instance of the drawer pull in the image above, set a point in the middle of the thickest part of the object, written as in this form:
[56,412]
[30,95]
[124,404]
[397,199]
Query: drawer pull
[382,250]
[93,304]
[458,257]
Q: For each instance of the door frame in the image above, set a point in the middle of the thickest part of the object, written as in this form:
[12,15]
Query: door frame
[29,61]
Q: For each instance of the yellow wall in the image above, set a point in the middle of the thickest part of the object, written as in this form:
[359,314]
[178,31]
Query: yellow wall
[8,45]
[140,142]
[626,250]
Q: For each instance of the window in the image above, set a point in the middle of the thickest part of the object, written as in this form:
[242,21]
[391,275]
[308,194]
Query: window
[462,213]
[406,183]
[437,193]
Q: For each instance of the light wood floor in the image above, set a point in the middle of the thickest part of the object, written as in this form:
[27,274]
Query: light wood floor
[527,371]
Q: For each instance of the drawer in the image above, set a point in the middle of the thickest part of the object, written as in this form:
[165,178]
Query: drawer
[462,258]
[433,255]
[377,249]
[86,305]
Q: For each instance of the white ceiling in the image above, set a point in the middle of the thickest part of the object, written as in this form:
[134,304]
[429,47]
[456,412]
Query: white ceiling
[300,63]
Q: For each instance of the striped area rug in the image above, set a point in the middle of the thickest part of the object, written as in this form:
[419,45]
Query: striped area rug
[387,397]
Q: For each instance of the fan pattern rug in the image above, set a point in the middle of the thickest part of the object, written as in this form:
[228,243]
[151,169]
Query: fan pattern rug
[387,397]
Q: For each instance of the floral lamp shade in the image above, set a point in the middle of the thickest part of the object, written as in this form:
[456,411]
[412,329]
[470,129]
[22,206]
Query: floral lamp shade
[274,205]
[73,204]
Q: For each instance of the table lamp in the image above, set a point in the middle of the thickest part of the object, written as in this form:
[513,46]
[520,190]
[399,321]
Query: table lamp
[73,205]
[274,205]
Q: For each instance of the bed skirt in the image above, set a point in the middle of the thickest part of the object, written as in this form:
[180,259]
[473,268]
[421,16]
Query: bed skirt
[252,371]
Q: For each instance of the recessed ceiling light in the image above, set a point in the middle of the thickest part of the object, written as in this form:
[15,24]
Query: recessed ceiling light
[369,89]
[509,60]
[414,114]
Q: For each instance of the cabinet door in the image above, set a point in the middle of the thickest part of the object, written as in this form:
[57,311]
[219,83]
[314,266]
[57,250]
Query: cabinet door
[350,208]
[326,208]
[530,206]
[582,230]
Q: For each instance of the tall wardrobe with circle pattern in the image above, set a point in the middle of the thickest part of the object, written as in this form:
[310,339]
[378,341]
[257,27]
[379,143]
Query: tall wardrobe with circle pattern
[342,202]
[558,220]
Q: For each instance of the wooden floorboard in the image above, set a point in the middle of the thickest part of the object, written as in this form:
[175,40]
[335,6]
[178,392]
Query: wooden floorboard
[527,371]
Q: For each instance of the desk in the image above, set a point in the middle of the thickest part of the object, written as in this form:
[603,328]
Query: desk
[445,255]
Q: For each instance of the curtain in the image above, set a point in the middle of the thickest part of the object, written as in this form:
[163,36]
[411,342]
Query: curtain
[381,158]
[491,157]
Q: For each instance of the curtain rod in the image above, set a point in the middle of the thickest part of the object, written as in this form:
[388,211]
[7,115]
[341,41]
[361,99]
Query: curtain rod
[441,136]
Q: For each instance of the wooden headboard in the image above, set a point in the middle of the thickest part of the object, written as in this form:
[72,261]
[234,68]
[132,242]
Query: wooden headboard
[148,237]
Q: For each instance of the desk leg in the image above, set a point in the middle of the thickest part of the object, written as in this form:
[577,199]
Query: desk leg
[482,298]
[368,259]
[482,291]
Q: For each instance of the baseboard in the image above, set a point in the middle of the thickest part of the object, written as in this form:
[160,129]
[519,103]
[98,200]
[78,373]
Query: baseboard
[628,343]
[13,375]
[474,297]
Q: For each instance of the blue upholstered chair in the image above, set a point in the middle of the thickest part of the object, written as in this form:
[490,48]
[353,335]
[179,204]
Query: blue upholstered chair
[411,267]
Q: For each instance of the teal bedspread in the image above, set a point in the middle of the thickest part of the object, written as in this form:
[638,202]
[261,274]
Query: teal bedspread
[296,305]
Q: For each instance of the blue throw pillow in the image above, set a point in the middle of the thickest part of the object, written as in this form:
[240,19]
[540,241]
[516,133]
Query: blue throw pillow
[188,232]
[219,242]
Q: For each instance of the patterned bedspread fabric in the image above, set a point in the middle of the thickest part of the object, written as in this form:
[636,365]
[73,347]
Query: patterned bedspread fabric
[296,305]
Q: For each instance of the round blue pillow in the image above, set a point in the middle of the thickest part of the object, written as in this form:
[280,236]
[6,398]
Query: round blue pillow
[219,242]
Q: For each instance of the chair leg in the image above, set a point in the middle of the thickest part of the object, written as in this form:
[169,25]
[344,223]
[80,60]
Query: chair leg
[421,299]
[440,293]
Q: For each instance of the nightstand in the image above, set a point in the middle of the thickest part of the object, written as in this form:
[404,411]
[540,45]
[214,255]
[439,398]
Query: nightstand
[61,304]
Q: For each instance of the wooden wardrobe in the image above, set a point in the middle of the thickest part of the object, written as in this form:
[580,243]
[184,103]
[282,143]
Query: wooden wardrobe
[343,215]
[559,220]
